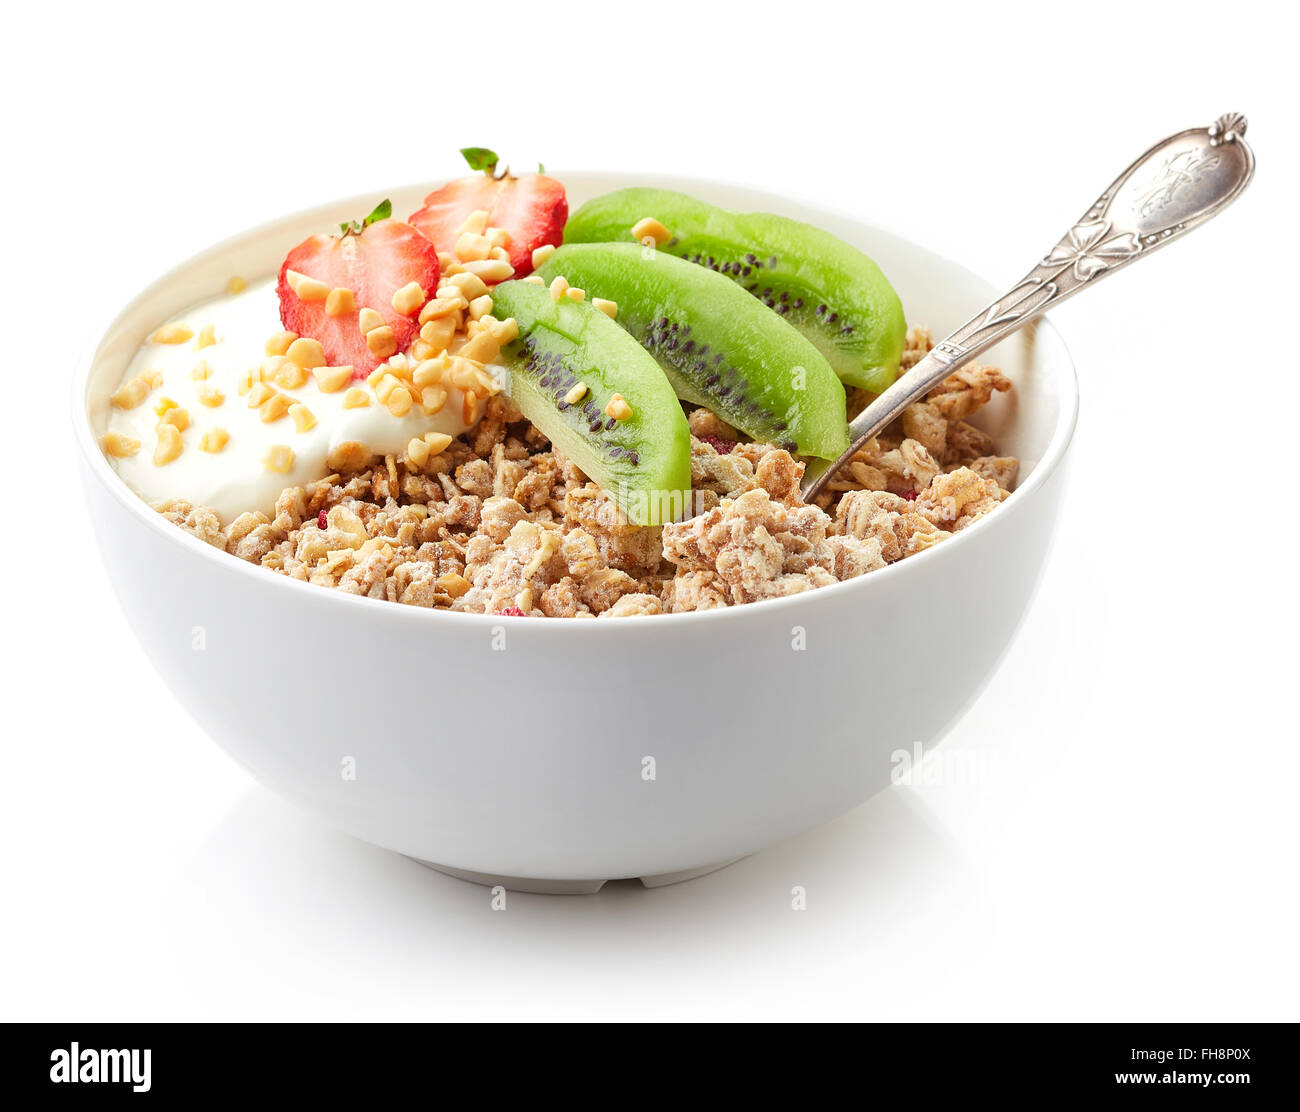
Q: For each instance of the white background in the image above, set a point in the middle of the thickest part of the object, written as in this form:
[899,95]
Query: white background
[1129,847]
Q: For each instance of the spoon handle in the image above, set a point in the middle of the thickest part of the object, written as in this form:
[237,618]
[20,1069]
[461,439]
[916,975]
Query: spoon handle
[1177,185]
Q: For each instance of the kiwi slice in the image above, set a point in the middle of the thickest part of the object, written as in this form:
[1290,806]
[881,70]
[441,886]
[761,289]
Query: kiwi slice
[833,293]
[566,367]
[717,345]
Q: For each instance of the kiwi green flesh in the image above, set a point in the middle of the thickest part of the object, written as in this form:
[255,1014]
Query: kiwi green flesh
[718,346]
[643,460]
[832,292]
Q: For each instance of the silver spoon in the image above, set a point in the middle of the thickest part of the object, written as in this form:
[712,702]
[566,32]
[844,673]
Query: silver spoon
[1176,186]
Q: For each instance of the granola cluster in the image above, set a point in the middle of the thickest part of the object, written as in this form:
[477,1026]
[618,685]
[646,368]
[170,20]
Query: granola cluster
[498,522]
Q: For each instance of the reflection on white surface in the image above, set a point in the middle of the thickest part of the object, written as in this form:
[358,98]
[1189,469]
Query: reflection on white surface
[390,936]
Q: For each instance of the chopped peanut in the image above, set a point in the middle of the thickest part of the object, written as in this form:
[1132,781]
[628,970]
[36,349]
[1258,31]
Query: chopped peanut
[258,394]
[169,444]
[438,333]
[498,237]
[279,343]
[576,393]
[470,285]
[207,336]
[151,379]
[130,393]
[490,270]
[609,308]
[535,280]
[118,446]
[409,298]
[369,319]
[351,455]
[175,333]
[340,302]
[475,222]
[330,380]
[163,404]
[270,367]
[502,254]
[400,401]
[211,396]
[381,342]
[480,306]
[445,259]
[385,385]
[356,398]
[214,439]
[433,398]
[573,293]
[454,294]
[309,289]
[247,380]
[440,307]
[428,372]
[453,584]
[236,285]
[559,285]
[306,353]
[650,228]
[470,247]
[506,331]
[202,370]
[303,418]
[275,407]
[618,408]
[417,451]
[279,458]
[421,350]
[542,253]
[178,417]
[438,442]
[483,347]
[462,373]
[290,376]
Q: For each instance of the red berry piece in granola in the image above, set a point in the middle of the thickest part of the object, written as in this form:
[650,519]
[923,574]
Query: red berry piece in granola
[510,612]
[719,444]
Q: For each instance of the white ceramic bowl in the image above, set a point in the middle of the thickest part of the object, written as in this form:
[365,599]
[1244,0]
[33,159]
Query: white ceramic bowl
[514,747]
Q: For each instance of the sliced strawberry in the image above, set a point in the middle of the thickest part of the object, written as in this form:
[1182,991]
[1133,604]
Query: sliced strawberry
[373,261]
[531,207]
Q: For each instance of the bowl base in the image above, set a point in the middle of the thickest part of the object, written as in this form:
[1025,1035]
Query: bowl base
[548,887]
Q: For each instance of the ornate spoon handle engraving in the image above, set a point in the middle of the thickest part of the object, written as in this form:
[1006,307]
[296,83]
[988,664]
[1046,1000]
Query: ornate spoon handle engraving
[1174,187]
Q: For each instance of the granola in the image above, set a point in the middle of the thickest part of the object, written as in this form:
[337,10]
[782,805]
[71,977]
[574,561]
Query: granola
[497,521]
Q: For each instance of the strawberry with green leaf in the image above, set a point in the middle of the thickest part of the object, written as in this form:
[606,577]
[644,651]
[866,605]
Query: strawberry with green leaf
[532,208]
[371,259]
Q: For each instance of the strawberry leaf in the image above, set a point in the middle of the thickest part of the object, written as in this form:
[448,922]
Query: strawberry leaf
[381,211]
[480,158]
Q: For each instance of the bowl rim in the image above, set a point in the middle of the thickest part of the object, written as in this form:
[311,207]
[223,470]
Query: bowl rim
[97,465]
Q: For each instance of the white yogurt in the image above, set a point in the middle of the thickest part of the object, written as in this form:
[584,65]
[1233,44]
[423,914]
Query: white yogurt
[236,479]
